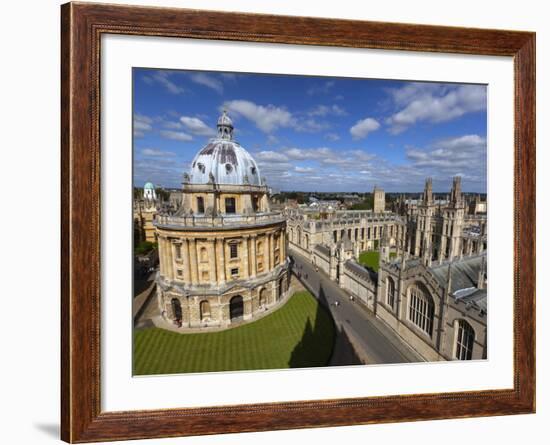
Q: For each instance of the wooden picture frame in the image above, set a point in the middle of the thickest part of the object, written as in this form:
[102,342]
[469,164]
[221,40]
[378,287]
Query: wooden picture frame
[82,26]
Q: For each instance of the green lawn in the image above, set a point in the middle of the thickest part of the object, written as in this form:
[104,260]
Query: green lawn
[370,258]
[299,334]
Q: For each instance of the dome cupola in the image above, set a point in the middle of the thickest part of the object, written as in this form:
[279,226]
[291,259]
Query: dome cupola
[225,126]
[224,161]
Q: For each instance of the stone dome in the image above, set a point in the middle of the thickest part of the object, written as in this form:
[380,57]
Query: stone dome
[224,160]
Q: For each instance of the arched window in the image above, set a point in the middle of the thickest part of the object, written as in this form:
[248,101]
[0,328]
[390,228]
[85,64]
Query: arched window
[307,241]
[390,292]
[204,255]
[465,336]
[263,296]
[205,310]
[421,309]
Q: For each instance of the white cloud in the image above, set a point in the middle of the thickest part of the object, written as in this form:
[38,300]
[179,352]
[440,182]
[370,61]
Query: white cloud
[208,81]
[266,118]
[325,110]
[309,125]
[332,137]
[323,88]
[196,126]
[299,169]
[271,156]
[142,124]
[448,156]
[157,153]
[434,103]
[163,78]
[171,125]
[363,127]
[302,154]
[176,135]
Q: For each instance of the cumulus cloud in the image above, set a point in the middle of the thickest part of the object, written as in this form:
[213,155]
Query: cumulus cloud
[171,125]
[208,81]
[302,154]
[434,103]
[196,126]
[363,127]
[142,124]
[271,156]
[309,125]
[153,152]
[164,78]
[451,157]
[325,110]
[176,135]
[266,118]
[299,169]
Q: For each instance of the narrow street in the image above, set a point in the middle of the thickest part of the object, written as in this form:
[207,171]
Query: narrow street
[377,341]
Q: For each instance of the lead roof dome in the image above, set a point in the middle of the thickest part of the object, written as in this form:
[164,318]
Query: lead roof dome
[224,159]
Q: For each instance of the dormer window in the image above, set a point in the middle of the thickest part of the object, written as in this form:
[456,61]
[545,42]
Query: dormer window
[228,168]
[201,167]
[253,170]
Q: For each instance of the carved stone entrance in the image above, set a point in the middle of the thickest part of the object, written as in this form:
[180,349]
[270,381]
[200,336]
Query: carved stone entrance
[236,308]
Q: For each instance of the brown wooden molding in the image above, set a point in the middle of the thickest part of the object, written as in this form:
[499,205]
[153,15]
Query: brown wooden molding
[82,25]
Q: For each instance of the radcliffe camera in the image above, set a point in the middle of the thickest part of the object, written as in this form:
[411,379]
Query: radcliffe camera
[286,221]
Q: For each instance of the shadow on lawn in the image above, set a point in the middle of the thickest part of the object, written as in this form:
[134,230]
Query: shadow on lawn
[318,340]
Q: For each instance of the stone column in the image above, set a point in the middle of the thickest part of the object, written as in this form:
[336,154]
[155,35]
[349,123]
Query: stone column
[212,261]
[282,255]
[186,261]
[253,261]
[270,244]
[193,261]
[170,259]
[266,252]
[244,260]
[163,250]
[220,259]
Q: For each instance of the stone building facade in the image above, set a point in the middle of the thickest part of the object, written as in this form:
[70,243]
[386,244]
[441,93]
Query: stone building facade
[145,210]
[431,284]
[379,200]
[223,254]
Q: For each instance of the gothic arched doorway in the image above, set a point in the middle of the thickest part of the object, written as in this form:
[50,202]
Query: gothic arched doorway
[236,308]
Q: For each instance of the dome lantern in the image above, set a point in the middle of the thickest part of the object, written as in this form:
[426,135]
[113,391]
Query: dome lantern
[225,126]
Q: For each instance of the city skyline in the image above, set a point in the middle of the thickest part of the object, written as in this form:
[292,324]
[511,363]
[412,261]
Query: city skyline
[314,134]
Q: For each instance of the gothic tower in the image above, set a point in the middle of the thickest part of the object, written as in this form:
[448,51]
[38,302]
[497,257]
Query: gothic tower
[379,197]
[452,223]
[426,208]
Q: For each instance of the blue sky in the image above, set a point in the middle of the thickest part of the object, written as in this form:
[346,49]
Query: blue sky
[314,133]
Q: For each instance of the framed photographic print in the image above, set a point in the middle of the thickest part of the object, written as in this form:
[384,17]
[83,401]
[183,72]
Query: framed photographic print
[284,222]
